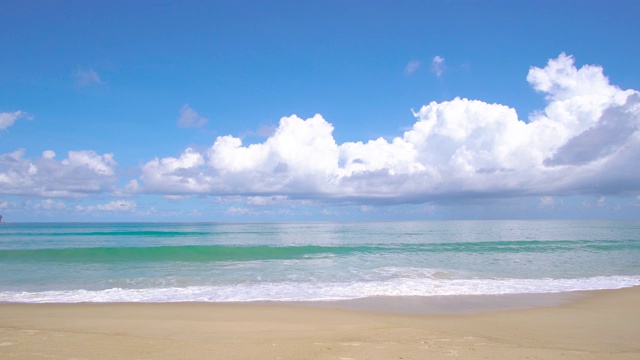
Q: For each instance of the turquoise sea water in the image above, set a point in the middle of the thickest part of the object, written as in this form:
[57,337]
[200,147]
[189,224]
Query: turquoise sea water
[312,261]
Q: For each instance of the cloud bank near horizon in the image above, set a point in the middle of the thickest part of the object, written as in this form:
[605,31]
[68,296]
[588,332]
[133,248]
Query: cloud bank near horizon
[584,142]
[81,173]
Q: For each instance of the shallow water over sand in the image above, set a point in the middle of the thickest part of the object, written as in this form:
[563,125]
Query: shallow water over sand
[313,261]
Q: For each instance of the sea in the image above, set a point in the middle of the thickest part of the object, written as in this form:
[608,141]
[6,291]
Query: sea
[311,262]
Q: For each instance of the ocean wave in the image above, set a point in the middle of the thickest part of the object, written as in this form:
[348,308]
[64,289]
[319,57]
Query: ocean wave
[201,253]
[323,291]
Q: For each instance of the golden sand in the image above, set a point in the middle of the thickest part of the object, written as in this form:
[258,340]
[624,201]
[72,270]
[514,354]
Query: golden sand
[603,325]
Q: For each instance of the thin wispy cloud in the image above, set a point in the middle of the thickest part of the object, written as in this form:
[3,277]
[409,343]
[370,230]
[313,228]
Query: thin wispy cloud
[438,66]
[412,66]
[118,205]
[87,77]
[599,202]
[547,202]
[49,204]
[113,206]
[189,118]
[9,118]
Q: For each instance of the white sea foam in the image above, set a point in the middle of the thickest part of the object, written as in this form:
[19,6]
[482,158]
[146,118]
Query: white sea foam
[293,291]
[417,273]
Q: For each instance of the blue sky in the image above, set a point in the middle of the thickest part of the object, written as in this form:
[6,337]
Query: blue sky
[332,110]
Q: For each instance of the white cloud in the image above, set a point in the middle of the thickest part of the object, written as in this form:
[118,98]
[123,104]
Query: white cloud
[189,118]
[561,80]
[118,205]
[177,197]
[49,204]
[599,202]
[411,67]
[175,176]
[237,211]
[585,141]
[98,164]
[48,154]
[87,77]
[437,65]
[8,118]
[80,174]
[547,202]
[328,212]
[112,206]
[248,211]
[6,205]
[265,200]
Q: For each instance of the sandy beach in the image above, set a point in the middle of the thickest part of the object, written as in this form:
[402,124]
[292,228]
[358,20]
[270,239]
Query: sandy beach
[603,324]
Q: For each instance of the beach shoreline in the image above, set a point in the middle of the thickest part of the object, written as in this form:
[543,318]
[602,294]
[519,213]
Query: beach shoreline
[451,304]
[593,325]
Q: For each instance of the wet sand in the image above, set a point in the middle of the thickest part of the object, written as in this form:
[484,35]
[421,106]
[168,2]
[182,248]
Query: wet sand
[597,325]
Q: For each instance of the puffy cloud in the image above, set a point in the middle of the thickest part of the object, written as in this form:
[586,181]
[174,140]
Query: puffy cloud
[583,142]
[301,155]
[616,126]
[411,67]
[189,118]
[8,118]
[174,176]
[437,65]
[561,80]
[80,174]
[48,154]
[98,164]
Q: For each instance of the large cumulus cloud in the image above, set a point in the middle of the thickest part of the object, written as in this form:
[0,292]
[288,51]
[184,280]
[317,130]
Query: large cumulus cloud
[583,142]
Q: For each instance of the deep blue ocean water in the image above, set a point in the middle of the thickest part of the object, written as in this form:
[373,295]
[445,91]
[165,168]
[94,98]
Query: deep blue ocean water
[217,262]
